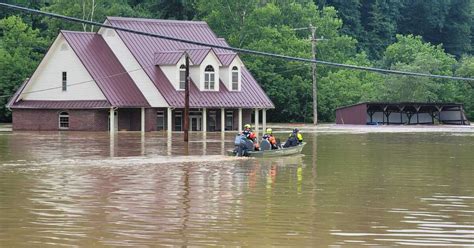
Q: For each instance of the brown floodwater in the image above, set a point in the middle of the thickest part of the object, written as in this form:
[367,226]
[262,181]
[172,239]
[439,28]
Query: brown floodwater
[78,189]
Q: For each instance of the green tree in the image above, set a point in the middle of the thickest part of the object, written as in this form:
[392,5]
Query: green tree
[350,13]
[271,27]
[92,10]
[165,9]
[380,23]
[465,90]
[410,53]
[456,33]
[345,87]
[21,48]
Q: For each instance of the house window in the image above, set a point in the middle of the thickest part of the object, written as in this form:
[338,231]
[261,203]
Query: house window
[209,78]
[64,81]
[235,78]
[229,120]
[182,77]
[160,120]
[64,120]
[178,121]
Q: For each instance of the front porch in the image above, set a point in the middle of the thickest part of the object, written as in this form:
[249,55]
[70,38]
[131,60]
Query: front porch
[172,119]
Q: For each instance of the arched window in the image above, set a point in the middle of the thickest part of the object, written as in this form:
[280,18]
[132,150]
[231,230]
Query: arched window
[182,77]
[64,120]
[235,78]
[209,78]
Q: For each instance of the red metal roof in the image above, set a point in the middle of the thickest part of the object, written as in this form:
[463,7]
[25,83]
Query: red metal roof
[226,58]
[104,67]
[168,57]
[86,104]
[197,55]
[144,48]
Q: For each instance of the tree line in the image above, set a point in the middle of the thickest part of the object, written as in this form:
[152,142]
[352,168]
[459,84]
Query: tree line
[411,35]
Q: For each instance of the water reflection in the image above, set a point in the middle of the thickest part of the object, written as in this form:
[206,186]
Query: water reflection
[85,189]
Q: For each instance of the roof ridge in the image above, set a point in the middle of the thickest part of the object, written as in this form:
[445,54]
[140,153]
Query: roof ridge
[76,32]
[170,51]
[120,18]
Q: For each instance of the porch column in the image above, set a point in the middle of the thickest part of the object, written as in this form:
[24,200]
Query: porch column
[143,121]
[240,120]
[204,120]
[222,120]
[264,120]
[169,118]
[256,121]
[112,120]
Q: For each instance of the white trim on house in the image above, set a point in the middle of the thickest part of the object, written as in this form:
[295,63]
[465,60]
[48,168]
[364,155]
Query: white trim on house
[210,59]
[196,72]
[128,61]
[226,74]
[49,75]
[172,72]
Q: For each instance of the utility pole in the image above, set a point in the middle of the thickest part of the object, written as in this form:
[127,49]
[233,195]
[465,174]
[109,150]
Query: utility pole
[313,69]
[186,100]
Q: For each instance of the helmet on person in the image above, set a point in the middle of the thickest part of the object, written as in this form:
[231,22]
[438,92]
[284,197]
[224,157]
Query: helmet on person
[296,130]
[247,126]
[269,131]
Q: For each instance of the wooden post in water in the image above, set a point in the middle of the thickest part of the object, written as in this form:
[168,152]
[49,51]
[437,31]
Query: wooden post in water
[186,100]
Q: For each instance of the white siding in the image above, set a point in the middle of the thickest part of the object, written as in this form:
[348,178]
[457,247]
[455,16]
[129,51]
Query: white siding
[194,73]
[141,79]
[61,58]
[226,73]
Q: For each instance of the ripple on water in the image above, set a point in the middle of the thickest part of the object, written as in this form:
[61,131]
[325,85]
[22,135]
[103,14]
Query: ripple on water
[448,231]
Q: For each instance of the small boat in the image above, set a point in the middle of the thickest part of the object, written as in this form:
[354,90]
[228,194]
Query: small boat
[274,153]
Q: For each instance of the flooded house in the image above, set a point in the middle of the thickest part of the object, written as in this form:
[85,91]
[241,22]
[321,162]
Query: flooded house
[117,80]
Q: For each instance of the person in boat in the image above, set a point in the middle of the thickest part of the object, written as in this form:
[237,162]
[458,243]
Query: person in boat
[294,139]
[268,141]
[243,143]
[251,136]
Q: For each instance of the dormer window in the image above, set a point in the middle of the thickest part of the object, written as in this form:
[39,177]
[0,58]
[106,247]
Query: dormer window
[182,77]
[235,78]
[209,78]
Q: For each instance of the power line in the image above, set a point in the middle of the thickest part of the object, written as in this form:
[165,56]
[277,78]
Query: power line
[242,50]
